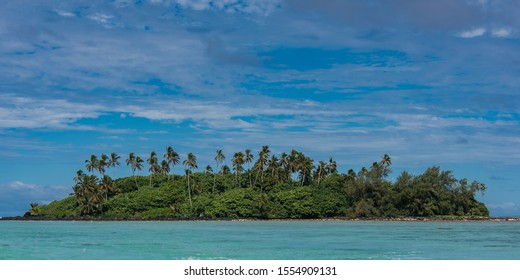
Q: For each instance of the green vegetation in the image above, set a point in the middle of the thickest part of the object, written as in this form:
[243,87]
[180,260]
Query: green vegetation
[288,186]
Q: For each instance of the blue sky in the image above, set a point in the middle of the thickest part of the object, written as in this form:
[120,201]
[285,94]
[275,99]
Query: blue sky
[428,82]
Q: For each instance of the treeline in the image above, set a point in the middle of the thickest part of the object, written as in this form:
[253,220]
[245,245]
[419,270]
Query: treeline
[288,185]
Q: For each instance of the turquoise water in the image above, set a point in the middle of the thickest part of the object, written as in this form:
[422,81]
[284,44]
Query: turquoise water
[259,240]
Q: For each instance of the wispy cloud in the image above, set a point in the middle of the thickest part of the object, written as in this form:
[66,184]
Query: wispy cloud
[477,32]
[28,112]
[16,196]
[65,13]
[103,19]
[353,79]
[246,6]
[501,32]
[342,125]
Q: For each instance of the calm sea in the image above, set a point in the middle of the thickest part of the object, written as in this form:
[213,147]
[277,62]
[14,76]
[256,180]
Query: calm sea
[209,240]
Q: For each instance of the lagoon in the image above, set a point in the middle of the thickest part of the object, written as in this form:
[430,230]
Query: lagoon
[252,240]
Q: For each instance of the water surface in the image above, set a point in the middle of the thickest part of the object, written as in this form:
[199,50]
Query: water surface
[209,240]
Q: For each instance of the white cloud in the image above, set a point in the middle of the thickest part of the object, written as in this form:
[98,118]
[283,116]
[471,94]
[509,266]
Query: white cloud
[23,112]
[35,190]
[17,185]
[263,7]
[65,14]
[31,113]
[195,4]
[113,61]
[501,32]
[101,18]
[342,125]
[16,196]
[477,32]
[106,20]
[353,111]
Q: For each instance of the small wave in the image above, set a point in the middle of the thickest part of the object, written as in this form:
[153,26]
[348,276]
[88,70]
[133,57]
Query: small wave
[89,244]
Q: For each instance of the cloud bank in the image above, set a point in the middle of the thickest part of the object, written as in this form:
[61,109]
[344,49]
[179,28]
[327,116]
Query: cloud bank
[16,196]
[429,82]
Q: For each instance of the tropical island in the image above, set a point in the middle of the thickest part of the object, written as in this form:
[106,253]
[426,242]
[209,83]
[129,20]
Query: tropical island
[262,186]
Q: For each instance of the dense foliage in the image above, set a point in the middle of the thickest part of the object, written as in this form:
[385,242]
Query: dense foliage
[288,186]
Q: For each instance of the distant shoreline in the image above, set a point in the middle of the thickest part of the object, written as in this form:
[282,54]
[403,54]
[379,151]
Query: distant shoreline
[398,219]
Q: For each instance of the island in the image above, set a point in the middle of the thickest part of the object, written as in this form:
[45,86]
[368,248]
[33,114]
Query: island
[259,186]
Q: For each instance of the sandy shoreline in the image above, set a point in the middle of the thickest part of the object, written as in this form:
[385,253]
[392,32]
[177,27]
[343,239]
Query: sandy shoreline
[346,219]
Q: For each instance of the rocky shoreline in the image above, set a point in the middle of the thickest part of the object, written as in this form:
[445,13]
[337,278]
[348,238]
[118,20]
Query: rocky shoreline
[376,219]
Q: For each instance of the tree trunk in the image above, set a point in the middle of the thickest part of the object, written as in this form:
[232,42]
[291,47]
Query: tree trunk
[249,172]
[215,179]
[135,179]
[189,191]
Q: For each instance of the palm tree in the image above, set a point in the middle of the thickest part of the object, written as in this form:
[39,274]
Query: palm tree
[321,170]
[299,163]
[386,160]
[92,163]
[238,161]
[136,163]
[78,182]
[190,163]
[219,158]
[208,170]
[131,159]
[95,195]
[79,176]
[154,165]
[293,162]
[363,172]
[284,164]
[35,209]
[248,159]
[261,163]
[88,194]
[165,167]
[274,167]
[114,160]
[225,170]
[102,163]
[106,185]
[351,177]
[306,167]
[332,166]
[385,163]
[172,158]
